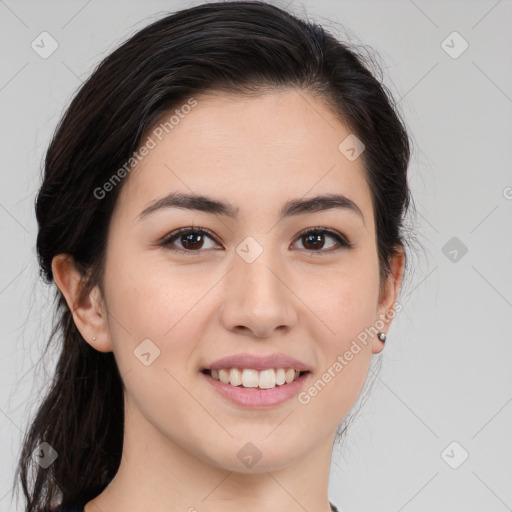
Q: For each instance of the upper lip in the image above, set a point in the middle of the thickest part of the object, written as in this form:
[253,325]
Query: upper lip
[255,362]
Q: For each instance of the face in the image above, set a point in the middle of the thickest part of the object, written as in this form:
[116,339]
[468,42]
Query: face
[245,281]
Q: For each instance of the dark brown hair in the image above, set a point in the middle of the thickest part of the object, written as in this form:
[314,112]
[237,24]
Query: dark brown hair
[238,47]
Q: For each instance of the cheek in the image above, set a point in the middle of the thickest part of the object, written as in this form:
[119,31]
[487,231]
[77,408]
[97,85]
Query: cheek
[333,393]
[152,294]
[346,349]
[345,302]
[157,303]
[344,298]
[153,330]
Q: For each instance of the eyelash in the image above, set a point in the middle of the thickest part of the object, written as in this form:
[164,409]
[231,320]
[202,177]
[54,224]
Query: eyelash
[168,240]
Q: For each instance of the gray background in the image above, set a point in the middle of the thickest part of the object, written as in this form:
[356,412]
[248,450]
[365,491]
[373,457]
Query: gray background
[446,367]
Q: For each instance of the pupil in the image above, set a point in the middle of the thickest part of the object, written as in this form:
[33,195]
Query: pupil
[313,238]
[189,240]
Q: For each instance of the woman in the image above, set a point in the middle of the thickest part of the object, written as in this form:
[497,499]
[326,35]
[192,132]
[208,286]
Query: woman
[221,213]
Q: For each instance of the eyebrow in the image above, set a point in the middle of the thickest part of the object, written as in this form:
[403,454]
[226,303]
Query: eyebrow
[290,208]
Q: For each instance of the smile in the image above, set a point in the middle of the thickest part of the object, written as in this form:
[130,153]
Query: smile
[250,378]
[253,395]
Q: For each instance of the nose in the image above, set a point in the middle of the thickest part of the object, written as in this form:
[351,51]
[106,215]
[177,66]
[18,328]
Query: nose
[258,300]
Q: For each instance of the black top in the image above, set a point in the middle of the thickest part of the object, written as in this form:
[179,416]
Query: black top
[80,508]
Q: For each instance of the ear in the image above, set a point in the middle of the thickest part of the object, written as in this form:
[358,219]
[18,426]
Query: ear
[388,296]
[89,314]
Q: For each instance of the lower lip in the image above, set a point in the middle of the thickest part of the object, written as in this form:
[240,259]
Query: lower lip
[255,397]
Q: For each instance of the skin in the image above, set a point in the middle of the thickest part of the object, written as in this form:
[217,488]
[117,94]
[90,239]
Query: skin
[181,437]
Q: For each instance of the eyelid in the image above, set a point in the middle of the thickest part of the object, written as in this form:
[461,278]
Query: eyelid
[166,240]
[342,239]
[343,242]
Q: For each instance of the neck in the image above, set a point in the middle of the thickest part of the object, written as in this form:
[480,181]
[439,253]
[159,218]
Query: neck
[158,474]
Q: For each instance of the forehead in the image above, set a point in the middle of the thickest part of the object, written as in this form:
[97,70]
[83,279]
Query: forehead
[249,151]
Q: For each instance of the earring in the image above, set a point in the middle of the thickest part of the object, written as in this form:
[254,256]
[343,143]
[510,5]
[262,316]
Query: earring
[382,336]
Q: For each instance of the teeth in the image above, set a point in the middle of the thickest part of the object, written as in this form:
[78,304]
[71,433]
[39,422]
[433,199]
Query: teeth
[280,377]
[249,378]
[235,377]
[267,379]
[224,376]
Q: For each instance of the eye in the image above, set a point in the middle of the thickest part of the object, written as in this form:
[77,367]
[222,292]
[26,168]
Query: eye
[191,239]
[314,240]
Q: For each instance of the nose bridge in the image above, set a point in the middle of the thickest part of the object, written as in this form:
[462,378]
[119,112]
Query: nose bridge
[257,296]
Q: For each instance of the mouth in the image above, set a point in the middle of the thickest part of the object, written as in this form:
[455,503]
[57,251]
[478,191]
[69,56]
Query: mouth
[256,380]
[249,388]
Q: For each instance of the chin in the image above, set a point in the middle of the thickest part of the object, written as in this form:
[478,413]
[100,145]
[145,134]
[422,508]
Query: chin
[258,456]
